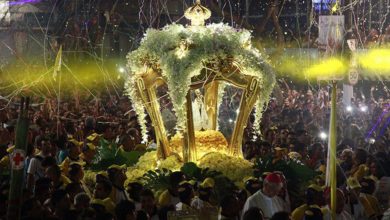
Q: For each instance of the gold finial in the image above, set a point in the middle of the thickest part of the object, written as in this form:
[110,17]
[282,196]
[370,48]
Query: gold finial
[197,14]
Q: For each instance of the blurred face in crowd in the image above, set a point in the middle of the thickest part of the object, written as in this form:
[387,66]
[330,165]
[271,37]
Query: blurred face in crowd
[74,151]
[50,173]
[304,138]
[340,202]
[43,192]
[373,168]
[100,192]
[232,209]
[46,147]
[271,189]
[64,204]
[354,195]
[89,154]
[108,134]
[122,176]
[148,203]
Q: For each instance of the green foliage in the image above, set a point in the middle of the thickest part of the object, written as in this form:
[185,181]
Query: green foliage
[192,171]
[157,180]
[223,185]
[110,153]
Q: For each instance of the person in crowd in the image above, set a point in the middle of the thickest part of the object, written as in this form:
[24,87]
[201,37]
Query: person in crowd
[35,169]
[73,189]
[229,208]
[252,185]
[117,177]
[313,213]
[88,153]
[134,189]
[125,210]
[101,195]
[32,208]
[265,199]
[73,155]
[43,189]
[359,168]
[76,175]
[253,213]
[314,198]
[58,180]
[281,216]
[186,194]
[354,206]
[81,202]
[170,197]
[341,213]
[60,202]
[148,204]
[346,158]
[205,190]
[283,198]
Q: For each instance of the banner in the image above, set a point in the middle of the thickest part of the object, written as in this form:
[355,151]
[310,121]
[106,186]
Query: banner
[331,33]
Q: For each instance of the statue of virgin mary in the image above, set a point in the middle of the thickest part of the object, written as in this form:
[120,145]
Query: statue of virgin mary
[199,114]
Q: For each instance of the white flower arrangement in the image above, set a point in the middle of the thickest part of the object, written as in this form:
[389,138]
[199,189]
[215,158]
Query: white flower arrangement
[181,53]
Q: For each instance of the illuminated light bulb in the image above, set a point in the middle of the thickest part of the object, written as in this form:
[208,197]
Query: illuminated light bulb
[231,120]
[349,108]
[121,70]
[323,135]
[371,141]
[363,108]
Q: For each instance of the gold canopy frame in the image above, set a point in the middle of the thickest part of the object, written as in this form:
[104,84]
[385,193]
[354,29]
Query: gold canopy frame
[147,77]
[209,79]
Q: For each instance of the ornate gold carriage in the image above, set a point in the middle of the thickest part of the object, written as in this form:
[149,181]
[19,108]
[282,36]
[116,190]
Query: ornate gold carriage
[173,64]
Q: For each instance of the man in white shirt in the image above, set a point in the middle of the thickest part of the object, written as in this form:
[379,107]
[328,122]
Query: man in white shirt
[35,169]
[265,199]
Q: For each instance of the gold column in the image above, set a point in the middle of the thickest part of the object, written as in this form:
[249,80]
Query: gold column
[189,149]
[211,99]
[247,103]
[149,99]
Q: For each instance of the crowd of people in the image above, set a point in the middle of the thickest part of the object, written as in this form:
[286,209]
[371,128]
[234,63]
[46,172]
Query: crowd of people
[63,139]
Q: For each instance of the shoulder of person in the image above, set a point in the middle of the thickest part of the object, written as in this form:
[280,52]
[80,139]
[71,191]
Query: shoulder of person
[38,157]
[299,212]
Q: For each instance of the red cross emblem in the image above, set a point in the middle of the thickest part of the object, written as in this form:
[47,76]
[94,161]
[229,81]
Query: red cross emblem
[18,159]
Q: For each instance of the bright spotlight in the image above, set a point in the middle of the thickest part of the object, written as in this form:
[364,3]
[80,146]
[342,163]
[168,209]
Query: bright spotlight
[371,141]
[121,70]
[349,108]
[231,120]
[363,108]
[323,135]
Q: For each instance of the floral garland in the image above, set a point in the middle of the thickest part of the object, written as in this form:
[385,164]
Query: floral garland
[180,54]
[221,93]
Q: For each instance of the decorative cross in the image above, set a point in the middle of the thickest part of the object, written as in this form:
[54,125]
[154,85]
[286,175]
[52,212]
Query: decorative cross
[18,158]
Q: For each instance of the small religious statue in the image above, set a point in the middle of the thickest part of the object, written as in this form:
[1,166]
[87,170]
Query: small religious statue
[201,121]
